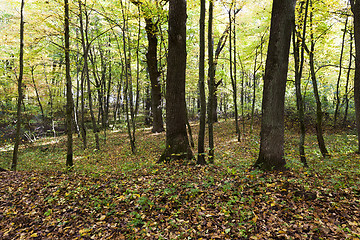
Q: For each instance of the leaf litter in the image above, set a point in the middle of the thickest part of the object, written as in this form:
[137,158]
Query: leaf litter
[226,200]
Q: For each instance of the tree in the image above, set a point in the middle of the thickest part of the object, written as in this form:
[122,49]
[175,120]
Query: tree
[69,99]
[319,112]
[211,83]
[299,63]
[355,8]
[201,138]
[20,90]
[271,155]
[177,143]
[151,28]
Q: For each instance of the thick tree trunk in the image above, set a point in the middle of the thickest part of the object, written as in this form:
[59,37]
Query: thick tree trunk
[355,7]
[201,137]
[20,91]
[177,143]
[69,99]
[271,154]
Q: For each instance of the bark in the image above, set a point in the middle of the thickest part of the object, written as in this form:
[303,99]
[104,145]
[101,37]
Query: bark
[355,8]
[154,74]
[271,155]
[211,85]
[177,143]
[201,137]
[20,91]
[69,99]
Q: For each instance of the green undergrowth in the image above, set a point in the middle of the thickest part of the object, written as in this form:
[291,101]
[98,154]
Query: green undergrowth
[114,194]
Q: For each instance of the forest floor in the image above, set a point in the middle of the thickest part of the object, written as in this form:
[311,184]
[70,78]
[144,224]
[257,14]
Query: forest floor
[114,194]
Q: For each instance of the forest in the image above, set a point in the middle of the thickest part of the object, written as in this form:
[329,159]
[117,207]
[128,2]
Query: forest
[175,119]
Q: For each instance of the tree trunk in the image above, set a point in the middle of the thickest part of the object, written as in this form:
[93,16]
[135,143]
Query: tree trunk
[69,99]
[37,93]
[86,50]
[151,29]
[355,7]
[271,155]
[319,112]
[154,74]
[147,106]
[337,96]
[346,96]
[299,63]
[20,91]
[201,137]
[233,67]
[177,143]
[211,84]
[128,92]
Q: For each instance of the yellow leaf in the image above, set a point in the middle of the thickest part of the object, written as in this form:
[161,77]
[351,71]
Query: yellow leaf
[121,198]
[84,231]
[281,232]
[255,218]
[102,218]
[34,235]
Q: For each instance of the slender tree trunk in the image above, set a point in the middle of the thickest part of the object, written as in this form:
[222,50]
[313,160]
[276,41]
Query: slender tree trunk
[20,91]
[271,155]
[86,49]
[177,143]
[254,93]
[299,63]
[137,99]
[201,137]
[211,84]
[51,102]
[69,99]
[233,68]
[147,106]
[128,93]
[346,96]
[337,97]
[37,93]
[319,112]
[242,97]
